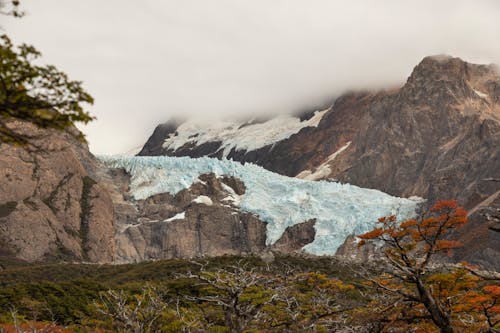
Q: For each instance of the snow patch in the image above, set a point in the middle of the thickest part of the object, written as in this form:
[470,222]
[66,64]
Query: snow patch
[323,170]
[480,93]
[180,216]
[235,198]
[204,200]
[238,134]
[340,209]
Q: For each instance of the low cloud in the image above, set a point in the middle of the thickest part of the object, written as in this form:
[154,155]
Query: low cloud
[146,61]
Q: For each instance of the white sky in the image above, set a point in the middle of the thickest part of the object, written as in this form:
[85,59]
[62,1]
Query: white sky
[145,61]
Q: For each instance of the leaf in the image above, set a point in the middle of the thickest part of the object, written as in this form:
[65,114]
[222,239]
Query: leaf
[372,234]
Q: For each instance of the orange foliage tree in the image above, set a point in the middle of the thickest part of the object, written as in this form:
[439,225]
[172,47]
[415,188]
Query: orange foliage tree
[431,297]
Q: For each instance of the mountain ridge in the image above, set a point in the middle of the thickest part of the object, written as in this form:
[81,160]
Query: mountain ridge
[437,137]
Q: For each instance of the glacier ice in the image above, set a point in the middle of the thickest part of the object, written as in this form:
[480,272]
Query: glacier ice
[340,210]
[239,134]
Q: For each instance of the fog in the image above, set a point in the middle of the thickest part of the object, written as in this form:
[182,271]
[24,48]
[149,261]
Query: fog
[145,61]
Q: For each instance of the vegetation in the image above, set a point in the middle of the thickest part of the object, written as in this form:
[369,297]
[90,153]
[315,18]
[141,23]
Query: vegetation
[408,291]
[41,95]
[430,297]
[82,296]
[11,7]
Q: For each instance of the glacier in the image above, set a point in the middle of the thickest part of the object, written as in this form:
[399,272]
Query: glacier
[340,209]
[239,135]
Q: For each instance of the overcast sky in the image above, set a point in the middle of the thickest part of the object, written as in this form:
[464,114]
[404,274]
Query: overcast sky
[145,61]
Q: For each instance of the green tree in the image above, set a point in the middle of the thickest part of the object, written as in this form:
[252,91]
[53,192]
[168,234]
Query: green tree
[41,95]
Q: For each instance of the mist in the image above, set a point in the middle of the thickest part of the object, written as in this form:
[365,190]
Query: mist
[146,61]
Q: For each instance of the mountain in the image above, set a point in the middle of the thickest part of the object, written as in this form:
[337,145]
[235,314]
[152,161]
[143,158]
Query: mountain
[437,137]
[60,203]
[52,206]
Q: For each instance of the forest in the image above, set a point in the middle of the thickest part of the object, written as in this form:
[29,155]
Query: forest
[409,289]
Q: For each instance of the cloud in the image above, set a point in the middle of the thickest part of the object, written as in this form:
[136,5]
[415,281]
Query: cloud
[145,61]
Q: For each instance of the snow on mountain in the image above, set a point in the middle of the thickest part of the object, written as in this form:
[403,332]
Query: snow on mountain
[323,170]
[339,209]
[180,216]
[204,200]
[240,135]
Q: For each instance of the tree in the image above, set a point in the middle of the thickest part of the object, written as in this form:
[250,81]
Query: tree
[237,299]
[41,95]
[11,7]
[311,302]
[429,295]
[22,325]
[234,297]
[142,313]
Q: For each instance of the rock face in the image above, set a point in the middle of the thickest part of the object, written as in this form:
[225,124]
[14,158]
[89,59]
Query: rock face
[296,237]
[51,204]
[198,221]
[438,137]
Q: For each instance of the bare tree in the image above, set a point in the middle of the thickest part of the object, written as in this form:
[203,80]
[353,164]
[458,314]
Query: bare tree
[311,301]
[135,314]
[32,326]
[240,293]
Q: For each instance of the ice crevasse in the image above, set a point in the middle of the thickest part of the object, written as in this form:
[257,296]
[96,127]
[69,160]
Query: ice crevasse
[340,210]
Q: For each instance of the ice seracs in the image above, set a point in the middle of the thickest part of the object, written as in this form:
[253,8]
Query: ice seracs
[340,210]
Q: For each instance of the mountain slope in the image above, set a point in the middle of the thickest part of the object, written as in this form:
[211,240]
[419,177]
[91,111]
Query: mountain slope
[52,206]
[437,137]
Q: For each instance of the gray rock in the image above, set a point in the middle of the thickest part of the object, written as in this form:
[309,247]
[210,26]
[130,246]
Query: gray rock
[61,212]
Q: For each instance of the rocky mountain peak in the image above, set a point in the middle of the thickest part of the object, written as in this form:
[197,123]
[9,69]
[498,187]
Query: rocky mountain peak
[439,67]
[442,80]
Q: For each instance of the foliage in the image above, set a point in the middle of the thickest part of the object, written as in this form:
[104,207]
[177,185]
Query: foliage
[239,299]
[66,302]
[41,95]
[11,7]
[311,302]
[233,297]
[146,312]
[28,288]
[418,294]
[247,294]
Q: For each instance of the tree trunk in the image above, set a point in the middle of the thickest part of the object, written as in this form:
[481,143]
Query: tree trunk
[439,317]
